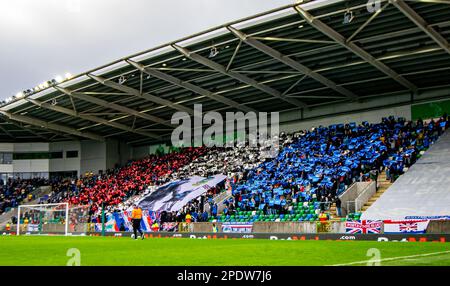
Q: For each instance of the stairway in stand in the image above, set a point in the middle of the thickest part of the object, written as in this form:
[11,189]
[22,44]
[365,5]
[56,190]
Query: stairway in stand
[383,185]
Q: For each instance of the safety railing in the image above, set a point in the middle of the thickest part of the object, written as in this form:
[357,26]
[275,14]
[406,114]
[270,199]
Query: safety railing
[355,197]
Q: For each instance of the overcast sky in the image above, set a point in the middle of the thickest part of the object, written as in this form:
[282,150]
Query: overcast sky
[40,39]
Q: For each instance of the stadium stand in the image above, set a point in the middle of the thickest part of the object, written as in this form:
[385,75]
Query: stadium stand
[323,162]
[312,168]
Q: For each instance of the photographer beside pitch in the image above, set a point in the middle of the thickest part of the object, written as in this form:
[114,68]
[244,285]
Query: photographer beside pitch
[136,217]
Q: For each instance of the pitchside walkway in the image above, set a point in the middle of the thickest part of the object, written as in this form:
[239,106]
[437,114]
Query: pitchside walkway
[424,190]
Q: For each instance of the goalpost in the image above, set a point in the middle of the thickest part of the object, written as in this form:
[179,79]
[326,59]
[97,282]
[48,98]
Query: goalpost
[56,218]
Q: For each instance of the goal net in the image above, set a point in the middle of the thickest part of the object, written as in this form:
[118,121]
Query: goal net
[57,219]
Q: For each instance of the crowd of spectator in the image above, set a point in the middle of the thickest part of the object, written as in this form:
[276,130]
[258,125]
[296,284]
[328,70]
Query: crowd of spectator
[231,161]
[13,191]
[234,162]
[201,208]
[119,184]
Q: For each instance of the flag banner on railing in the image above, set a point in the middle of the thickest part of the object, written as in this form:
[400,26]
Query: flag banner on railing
[175,195]
[433,217]
[97,227]
[363,226]
[237,227]
[405,226]
[169,226]
[33,227]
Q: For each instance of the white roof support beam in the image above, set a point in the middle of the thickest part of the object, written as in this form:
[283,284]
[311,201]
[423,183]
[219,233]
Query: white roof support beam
[422,24]
[291,63]
[338,38]
[51,126]
[137,93]
[95,119]
[240,77]
[114,106]
[189,86]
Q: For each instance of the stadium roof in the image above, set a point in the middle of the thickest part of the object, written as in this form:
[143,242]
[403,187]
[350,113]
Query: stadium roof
[290,58]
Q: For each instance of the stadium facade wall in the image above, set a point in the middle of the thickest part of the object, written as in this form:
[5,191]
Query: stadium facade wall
[99,156]
[117,153]
[32,166]
[143,151]
[6,168]
[93,156]
[65,164]
[39,167]
[140,152]
[6,147]
[126,153]
[369,109]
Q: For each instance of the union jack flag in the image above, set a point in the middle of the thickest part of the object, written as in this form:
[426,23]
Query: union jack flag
[405,226]
[363,226]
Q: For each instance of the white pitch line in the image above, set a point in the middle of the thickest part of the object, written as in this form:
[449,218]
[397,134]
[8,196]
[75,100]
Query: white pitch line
[392,258]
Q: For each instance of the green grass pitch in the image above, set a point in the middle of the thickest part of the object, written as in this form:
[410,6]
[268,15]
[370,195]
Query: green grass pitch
[52,250]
